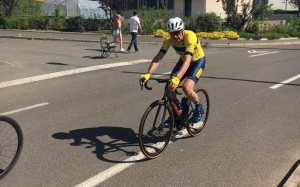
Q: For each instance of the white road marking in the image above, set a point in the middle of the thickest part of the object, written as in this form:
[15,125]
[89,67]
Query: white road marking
[25,108]
[264,54]
[167,73]
[68,72]
[253,51]
[110,172]
[285,82]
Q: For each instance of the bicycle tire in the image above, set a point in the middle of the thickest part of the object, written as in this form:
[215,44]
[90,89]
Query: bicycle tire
[11,142]
[195,129]
[154,136]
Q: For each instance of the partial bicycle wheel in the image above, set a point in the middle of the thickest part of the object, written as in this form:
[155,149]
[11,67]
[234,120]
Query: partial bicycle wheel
[156,129]
[11,144]
[194,129]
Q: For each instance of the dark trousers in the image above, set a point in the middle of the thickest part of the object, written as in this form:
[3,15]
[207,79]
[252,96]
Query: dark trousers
[133,41]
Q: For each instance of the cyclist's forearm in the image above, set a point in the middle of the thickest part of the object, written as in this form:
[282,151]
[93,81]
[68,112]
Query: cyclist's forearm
[153,67]
[155,62]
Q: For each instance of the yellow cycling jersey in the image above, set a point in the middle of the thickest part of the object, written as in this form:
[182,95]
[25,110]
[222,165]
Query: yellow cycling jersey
[190,45]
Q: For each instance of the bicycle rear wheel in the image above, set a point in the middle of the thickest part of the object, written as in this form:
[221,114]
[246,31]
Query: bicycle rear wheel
[154,133]
[11,143]
[194,129]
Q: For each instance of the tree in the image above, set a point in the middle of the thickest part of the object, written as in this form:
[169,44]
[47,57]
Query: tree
[8,6]
[118,5]
[296,4]
[238,19]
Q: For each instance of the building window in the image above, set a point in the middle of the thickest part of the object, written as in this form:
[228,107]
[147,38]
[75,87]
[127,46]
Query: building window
[169,4]
[133,5]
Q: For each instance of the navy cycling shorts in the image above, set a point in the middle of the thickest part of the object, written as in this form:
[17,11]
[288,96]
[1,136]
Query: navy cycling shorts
[193,72]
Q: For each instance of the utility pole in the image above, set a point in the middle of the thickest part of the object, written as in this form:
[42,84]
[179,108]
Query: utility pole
[286,1]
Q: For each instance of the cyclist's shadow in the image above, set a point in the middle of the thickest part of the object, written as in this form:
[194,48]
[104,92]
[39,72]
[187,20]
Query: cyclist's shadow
[123,139]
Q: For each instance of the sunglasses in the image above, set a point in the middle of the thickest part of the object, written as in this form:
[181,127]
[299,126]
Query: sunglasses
[174,33]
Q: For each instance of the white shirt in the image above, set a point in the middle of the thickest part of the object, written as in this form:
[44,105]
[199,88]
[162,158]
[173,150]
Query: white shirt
[134,21]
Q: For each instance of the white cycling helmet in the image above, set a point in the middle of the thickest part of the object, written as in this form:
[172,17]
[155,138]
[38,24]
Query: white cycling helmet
[174,24]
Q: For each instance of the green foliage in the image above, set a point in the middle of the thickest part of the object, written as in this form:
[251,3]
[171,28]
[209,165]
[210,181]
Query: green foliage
[124,27]
[260,13]
[74,24]
[294,26]
[92,24]
[7,7]
[27,8]
[245,35]
[15,23]
[23,23]
[257,37]
[8,23]
[207,22]
[273,36]
[38,22]
[189,23]
[153,19]
[281,29]
[57,20]
[253,26]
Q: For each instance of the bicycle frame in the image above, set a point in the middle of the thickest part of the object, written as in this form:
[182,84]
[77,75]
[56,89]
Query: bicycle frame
[155,131]
[168,97]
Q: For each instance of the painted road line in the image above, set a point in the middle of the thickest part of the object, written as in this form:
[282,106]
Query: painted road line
[264,54]
[253,51]
[110,172]
[167,73]
[68,72]
[285,82]
[25,108]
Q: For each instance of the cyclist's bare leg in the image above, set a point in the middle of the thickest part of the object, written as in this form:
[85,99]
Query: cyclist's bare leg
[188,89]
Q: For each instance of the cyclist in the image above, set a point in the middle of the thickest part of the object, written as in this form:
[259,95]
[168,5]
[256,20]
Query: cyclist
[189,66]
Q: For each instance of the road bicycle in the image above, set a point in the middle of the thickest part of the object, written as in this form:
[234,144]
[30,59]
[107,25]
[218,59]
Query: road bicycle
[160,118]
[11,144]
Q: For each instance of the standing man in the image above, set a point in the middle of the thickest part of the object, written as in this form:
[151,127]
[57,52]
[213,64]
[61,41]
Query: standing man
[133,27]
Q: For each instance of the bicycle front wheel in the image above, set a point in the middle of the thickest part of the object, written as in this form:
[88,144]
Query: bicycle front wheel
[156,129]
[194,129]
[11,143]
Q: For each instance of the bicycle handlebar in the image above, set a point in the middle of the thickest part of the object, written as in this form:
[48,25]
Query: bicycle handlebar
[160,81]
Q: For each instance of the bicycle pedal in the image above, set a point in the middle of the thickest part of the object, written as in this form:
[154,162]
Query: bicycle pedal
[178,127]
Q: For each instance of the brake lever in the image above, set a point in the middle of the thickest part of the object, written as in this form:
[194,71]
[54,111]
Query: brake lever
[142,85]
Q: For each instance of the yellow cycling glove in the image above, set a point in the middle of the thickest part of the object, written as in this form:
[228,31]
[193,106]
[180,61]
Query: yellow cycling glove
[145,77]
[174,81]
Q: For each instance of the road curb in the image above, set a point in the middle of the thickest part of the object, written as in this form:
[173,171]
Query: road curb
[206,44]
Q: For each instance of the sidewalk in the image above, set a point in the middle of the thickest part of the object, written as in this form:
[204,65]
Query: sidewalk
[146,39]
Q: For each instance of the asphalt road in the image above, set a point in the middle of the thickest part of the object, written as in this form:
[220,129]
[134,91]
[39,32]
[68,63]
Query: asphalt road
[85,111]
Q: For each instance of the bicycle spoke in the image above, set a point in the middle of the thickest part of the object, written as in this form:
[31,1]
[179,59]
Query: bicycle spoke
[11,140]
[154,135]
[195,128]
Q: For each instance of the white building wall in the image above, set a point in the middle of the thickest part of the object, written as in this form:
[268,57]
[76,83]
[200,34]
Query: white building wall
[197,7]
[216,7]
[280,4]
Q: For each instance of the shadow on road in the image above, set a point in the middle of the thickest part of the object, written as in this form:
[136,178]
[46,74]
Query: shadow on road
[234,79]
[121,140]
[289,173]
